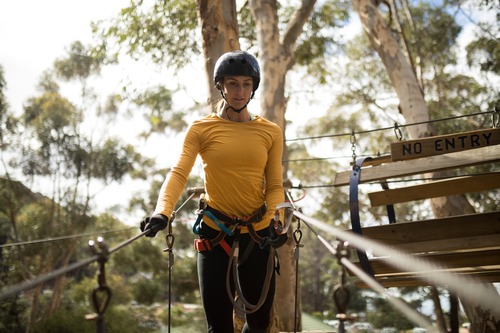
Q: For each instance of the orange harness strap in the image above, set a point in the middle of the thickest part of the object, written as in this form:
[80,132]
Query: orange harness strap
[205,244]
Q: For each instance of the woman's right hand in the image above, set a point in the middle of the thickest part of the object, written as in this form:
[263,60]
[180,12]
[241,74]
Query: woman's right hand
[154,223]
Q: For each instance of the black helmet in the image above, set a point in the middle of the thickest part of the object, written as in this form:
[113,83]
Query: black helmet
[237,63]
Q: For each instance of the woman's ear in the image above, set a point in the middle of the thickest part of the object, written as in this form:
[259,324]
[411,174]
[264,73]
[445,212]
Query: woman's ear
[218,85]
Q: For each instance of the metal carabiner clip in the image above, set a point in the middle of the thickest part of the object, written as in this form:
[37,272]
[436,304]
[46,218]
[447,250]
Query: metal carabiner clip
[283,228]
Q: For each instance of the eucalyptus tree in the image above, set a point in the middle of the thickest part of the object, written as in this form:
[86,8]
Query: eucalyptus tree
[58,151]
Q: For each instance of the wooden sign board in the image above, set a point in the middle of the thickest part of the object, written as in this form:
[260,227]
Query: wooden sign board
[443,144]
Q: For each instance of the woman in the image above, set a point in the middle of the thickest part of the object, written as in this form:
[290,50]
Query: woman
[241,155]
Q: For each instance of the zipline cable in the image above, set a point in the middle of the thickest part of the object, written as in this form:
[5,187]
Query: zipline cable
[54,239]
[13,290]
[10,291]
[410,313]
[389,128]
[404,180]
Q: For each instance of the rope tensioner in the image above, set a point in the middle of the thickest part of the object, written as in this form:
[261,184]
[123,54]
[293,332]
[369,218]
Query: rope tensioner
[341,295]
[297,237]
[170,239]
[101,295]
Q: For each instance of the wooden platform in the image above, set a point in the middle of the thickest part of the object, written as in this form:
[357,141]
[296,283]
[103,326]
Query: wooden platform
[466,245]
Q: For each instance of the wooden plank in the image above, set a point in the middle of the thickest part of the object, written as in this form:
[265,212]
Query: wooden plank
[376,160]
[453,227]
[416,281]
[449,260]
[452,244]
[442,144]
[438,188]
[422,165]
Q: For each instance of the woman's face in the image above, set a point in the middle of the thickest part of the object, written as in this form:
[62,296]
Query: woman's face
[237,90]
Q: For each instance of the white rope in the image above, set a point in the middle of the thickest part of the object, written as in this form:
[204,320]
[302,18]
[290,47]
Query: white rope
[465,287]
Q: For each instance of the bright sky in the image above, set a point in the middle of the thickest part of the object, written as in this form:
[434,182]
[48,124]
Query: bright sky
[34,33]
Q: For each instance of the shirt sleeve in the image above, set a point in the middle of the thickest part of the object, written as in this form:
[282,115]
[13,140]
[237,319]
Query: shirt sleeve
[274,176]
[176,179]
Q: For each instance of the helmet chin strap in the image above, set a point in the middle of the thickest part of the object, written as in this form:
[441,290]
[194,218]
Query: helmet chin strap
[231,107]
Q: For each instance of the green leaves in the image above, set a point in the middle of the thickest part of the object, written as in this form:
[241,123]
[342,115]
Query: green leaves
[485,53]
[164,31]
[80,63]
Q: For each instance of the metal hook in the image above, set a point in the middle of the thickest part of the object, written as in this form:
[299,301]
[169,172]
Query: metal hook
[352,139]
[495,117]
[397,132]
[297,237]
[170,239]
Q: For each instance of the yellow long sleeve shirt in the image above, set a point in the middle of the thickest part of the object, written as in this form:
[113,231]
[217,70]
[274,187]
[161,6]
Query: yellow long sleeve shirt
[242,165]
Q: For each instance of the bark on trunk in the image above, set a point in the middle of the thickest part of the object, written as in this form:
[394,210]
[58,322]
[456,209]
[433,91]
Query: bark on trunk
[482,321]
[276,59]
[404,81]
[219,29]
[438,310]
[60,282]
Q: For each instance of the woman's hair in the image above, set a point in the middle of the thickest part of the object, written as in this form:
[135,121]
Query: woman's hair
[218,106]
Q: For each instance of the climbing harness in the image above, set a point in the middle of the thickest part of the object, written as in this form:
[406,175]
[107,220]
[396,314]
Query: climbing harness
[231,226]
[228,225]
[246,307]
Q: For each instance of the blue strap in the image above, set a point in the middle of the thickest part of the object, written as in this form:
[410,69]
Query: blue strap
[354,210]
[218,222]
[196,226]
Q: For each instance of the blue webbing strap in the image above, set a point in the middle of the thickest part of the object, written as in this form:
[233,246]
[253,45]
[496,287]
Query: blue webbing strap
[390,208]
[354,208]
[196,226]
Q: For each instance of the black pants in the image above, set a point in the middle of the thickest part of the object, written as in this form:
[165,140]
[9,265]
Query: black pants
[212,268]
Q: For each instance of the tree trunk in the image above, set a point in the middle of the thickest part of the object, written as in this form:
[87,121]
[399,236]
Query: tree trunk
[412,103]
[413,108]
[454,308]
[35,302]
[276,59]
[438,310]
[219,29]
[60,281]
[481,319]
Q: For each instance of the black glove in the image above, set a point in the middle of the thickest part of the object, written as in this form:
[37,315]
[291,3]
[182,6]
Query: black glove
[154,223]
[276,240]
